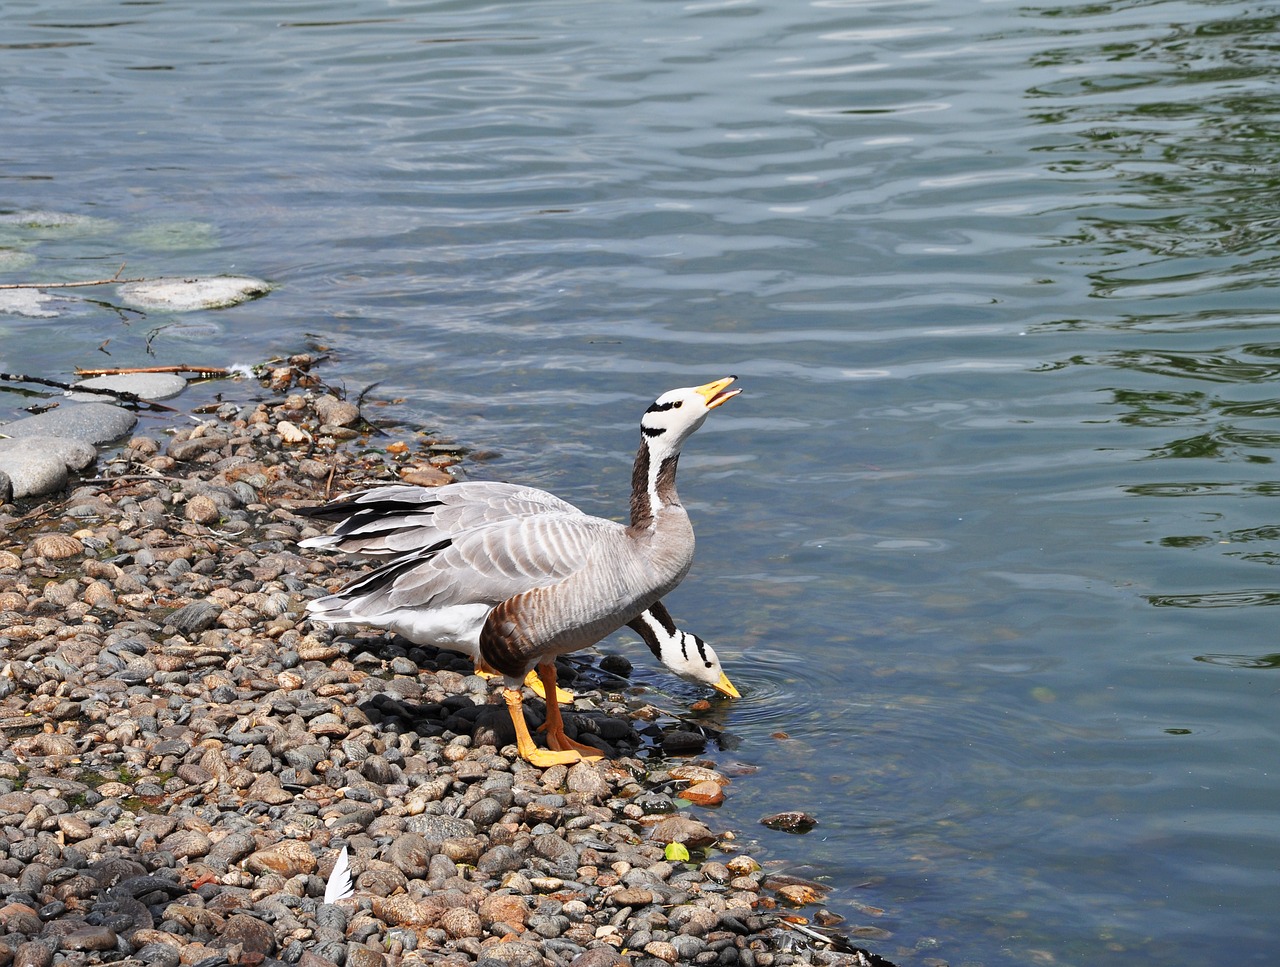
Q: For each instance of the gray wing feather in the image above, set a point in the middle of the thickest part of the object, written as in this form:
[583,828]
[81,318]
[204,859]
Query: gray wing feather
[396,520]
[484,564]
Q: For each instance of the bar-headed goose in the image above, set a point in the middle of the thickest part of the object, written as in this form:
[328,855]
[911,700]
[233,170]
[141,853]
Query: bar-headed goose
[526,587]
[402,519]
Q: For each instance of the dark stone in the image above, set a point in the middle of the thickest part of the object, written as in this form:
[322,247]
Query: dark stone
[616,665]
[411,854]
[683,743]
[249,931]
[195,617]
[158,955]
[499,860]
[90,938]
[790,822]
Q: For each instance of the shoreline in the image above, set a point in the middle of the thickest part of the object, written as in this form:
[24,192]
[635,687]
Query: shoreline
[182,755]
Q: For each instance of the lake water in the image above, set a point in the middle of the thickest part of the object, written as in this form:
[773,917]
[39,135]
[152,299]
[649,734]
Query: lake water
[988,539]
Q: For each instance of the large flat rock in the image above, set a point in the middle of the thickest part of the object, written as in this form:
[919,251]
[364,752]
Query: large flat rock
[147,386]
[94,423]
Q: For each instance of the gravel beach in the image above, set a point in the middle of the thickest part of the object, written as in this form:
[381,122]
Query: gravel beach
[183,756]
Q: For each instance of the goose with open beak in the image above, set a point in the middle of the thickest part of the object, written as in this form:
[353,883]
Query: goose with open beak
[516,577]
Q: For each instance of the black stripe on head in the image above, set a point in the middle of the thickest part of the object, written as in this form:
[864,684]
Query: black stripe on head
[652,431]
[659,407]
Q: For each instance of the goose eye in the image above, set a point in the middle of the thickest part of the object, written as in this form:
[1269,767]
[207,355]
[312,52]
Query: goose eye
[679,403]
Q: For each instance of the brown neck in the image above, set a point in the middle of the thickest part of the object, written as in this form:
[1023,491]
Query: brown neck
[650,491]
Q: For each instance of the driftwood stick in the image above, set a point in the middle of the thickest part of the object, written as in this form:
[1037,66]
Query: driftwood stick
[217,371]
[70,285]
[122,395]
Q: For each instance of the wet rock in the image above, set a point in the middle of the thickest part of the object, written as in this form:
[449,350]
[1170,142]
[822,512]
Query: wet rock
[683,743]
[704,793]
[790,822]
[336,412]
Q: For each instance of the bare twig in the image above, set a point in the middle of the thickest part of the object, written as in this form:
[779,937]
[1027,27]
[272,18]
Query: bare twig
[181,368]
[71,285]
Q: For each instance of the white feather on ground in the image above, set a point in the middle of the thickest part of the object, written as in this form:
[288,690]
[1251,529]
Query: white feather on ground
[340,886]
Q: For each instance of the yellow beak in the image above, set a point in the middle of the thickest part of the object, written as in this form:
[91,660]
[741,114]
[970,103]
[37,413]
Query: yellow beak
[725,687]
[714,394]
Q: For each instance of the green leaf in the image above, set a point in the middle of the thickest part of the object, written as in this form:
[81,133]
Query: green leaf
[676,853]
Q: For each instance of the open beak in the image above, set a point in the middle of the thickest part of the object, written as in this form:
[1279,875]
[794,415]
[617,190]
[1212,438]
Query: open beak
[725,687]
[715,394]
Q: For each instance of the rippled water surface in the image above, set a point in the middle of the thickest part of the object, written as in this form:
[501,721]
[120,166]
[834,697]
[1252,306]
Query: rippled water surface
[986,541]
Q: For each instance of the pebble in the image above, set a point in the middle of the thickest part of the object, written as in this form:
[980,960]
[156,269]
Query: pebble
[206,753]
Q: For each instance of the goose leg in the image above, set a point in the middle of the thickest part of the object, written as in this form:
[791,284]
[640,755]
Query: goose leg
[555,724]
[535,683]
[542,758]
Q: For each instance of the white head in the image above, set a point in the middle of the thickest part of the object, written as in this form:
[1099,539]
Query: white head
[665,426]
[675,414]
[683,652]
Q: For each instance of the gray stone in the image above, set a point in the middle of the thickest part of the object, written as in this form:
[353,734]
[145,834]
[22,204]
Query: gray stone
[6,488]
[94,423]
[148,386]
[75,454]
[158,955]
[195,617]
[190,449]
[411,854]
[32,474]
[436,829]
[500,859]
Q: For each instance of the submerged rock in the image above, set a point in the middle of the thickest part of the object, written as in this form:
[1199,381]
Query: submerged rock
[189,294]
